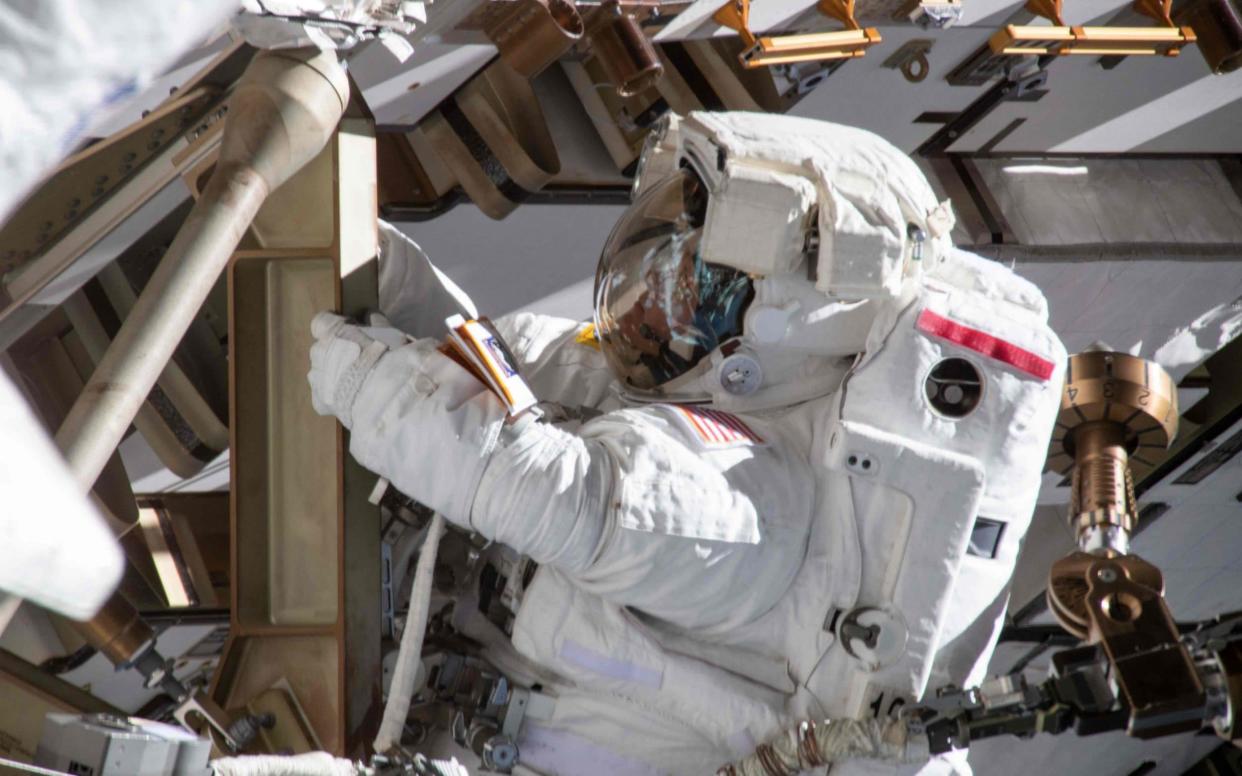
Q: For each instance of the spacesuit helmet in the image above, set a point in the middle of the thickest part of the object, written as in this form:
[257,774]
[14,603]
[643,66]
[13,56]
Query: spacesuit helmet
[660,308]
[755,255]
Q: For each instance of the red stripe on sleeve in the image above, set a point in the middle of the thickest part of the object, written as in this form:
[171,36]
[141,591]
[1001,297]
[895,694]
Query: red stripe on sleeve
[981,342]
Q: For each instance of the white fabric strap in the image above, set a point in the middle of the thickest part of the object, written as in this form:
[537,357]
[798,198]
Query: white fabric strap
[613,668]
[549,749]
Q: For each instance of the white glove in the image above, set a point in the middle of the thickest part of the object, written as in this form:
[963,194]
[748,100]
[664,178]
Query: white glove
[341,359]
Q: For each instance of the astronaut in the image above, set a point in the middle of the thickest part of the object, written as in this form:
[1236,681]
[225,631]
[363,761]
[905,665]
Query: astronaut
[813,442]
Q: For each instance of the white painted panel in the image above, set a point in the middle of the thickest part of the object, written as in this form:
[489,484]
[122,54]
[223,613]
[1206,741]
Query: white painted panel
[1138,306]
[696,21]
[540,252]
[1150,119]
[1107,754]
[1086,201]
[863,93]
[403,94]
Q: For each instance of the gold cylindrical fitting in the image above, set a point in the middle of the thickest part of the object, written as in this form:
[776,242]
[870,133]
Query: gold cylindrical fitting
[628,57]
[1116,409]
[117,631]
[532,34]
[1101,493]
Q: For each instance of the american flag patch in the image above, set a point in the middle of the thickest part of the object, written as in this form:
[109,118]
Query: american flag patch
[715,428]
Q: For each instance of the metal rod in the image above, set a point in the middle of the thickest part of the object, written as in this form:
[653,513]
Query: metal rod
[281,114]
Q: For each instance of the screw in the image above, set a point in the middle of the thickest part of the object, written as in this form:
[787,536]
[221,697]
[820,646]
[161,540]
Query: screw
[1107,575]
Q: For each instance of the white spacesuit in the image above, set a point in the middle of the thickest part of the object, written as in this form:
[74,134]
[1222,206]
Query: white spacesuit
[818,445]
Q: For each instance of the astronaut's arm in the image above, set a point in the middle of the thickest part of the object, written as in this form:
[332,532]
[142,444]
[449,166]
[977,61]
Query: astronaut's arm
[434,431]
[559,359]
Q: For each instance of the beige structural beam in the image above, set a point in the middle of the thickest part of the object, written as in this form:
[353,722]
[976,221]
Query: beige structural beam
[282,112]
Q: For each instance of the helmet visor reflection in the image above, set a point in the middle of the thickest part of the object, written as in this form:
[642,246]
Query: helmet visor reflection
[659,308]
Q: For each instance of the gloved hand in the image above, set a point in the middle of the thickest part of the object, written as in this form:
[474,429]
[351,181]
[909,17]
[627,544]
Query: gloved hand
[341,358]
[404,401]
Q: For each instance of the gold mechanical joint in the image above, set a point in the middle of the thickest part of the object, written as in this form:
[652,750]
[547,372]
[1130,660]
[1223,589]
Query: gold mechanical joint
[1115,408]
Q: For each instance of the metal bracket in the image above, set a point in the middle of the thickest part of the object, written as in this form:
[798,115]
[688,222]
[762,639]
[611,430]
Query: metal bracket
[841,10]
[1060,39]
[911,59]
[1160,10]
[1048,9]
[735,15]
[930,14]
[849,43]
[210,714]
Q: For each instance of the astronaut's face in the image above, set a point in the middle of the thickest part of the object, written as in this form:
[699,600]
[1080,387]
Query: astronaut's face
[658,305]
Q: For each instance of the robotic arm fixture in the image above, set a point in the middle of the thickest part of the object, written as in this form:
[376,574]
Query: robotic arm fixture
[1134,671]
